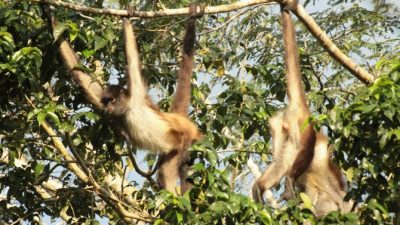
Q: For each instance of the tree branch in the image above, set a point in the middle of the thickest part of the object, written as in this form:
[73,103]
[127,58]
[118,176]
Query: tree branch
[152,14]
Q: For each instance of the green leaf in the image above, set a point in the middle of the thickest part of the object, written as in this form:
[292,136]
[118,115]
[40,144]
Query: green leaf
[265,217]
[218,207]
[39,169]
[212,157]
[159,222]
[306,200]
[99,42]
[73,34]
[32,113]
[383,140]
[179,217]
[59,30]
[41,117]
[54,117]
[389,114]
[198,167]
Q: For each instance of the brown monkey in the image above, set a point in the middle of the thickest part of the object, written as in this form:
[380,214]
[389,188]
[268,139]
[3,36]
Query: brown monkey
[320,178]
[144,125]
[301,155]
[292,122]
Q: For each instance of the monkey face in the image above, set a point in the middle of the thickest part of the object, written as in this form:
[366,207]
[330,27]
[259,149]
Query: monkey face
[114,100]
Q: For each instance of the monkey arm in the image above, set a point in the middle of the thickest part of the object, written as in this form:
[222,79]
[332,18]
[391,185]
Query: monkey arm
[136,88]
[268,179]
[181,100]
[92,88]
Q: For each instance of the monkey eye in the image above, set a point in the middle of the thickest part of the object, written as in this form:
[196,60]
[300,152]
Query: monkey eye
[107,100]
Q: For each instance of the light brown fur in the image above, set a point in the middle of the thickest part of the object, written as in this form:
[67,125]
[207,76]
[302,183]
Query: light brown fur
[324,185]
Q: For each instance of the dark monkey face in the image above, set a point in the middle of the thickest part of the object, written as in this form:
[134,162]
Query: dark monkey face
[115,100]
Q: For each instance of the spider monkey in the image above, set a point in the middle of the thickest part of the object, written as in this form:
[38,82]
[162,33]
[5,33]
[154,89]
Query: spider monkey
[139,119]
[302,156]
[291,158]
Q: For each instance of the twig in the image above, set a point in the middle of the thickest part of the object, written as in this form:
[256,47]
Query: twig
[76,155]
[30,212]
[148,175]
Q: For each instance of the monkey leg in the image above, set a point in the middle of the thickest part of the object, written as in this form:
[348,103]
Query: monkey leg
[168,172]
[183,171]
[269,179]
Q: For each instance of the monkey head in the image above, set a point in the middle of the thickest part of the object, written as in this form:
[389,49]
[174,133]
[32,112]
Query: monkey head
[115,100]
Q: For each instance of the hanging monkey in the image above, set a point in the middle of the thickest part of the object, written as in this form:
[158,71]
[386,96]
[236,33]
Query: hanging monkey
[302,156]
[290,158]
[139,119]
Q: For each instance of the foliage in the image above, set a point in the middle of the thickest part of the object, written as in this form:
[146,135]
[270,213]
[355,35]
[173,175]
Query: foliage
[239,84]
[367,134]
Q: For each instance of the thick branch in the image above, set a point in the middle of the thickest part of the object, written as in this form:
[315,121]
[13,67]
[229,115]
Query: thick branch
[326,42]
[152,14]
[105,194]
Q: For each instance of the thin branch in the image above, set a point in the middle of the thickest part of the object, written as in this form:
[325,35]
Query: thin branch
[253,168]
[148,175]
[152,14]
[29,213]
[226,23]
[76,155]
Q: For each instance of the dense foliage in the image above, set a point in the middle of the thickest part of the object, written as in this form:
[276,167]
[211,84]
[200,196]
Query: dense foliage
[238,84]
